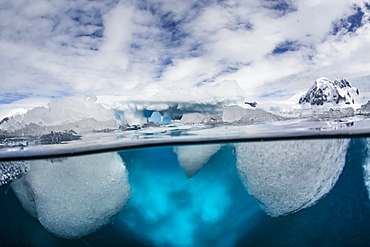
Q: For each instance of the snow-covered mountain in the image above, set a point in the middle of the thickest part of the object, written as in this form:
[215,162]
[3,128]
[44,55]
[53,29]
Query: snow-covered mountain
[327,91]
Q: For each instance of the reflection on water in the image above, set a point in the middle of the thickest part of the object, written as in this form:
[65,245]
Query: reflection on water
[195,196]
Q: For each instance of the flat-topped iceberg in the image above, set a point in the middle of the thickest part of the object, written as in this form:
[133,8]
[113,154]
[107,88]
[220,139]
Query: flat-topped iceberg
[207,99]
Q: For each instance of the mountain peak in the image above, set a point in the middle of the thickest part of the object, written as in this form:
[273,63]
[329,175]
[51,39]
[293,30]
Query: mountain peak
[327,91]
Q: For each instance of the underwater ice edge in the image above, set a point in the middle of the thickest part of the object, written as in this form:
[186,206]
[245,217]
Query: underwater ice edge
[272,156]
[213,207]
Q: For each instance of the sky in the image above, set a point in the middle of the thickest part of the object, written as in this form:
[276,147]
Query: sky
[273,48]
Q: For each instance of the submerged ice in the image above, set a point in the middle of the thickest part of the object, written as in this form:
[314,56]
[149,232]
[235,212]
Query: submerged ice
[366,167]
[168,209]
[75,196]
[288,176]
[12,170]
[192,158]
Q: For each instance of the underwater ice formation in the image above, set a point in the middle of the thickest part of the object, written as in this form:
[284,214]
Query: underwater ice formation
[288,176]
[11,170]
[192,158]
[366,167]
[75,196]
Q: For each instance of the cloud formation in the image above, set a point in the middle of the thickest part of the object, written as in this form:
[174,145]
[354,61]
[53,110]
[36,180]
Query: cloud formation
[58,48]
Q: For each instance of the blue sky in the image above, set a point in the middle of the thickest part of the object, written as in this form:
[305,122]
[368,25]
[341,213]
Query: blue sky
[57,48]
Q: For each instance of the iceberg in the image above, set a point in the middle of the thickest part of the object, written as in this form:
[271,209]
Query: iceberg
[192,158]
[75,196]
[208,99]
[236,113]
[288,176]
[79,113]
[12,170]
[364,109]
[200,118]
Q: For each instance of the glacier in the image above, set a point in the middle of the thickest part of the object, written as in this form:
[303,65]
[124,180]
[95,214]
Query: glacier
[75,196]
[288,176]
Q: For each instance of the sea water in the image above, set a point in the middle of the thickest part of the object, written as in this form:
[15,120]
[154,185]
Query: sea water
[271,193]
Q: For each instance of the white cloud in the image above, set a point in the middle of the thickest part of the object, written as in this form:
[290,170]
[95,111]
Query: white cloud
[56,48]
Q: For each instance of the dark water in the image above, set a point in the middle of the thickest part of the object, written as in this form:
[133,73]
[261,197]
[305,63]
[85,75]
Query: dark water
[212,208]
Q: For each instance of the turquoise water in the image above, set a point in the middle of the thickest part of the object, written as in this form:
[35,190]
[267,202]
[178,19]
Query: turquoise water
[211,208]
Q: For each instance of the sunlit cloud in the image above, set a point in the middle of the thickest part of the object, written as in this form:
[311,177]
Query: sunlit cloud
[60,48]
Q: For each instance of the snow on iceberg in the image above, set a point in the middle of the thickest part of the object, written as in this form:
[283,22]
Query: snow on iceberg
[288,176]
[75,196]
[239,114]
[193,157]
[200,118]
[79,113]
[327,91]
[208,99]
[364,109]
